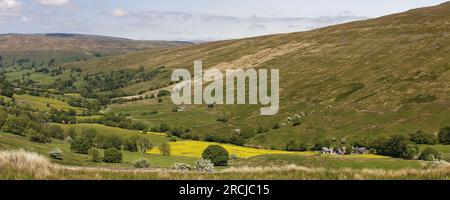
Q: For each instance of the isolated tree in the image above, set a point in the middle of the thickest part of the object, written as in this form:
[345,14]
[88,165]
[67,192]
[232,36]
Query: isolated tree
[95,154]
[112,155]
[216,154]
[164,148]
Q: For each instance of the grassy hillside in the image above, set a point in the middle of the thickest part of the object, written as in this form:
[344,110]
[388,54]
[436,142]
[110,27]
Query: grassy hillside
[375,77]
[71,47]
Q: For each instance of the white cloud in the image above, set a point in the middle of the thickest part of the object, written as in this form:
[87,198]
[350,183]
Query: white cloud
[9,9]
[119,13]
[26,19]
[54,2]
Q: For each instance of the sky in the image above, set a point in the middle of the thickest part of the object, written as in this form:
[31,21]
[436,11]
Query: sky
[189,20]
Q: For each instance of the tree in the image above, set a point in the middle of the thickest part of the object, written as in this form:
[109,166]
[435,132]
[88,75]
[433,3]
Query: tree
[164,148]
[95,154]
[112,155]
[112,141]
[216,154]
[139,126]
[16,125]
[164,128]
[38,137]
[3,117]
[397,146]
[143,145]
[71,133]
[56,131]
[410,151]
[444,135]
[421,137]
[430,154]
[84,142]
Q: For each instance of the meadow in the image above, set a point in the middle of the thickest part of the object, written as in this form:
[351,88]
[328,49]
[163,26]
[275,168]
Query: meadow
[45,104]
[155,138]
[196,148]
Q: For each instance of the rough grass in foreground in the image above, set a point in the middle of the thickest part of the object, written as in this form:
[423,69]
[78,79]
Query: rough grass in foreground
[26,165]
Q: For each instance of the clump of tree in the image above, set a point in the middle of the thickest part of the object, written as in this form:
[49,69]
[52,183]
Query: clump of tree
[421,137]
[84,142]
[398,146]
[112,155]
[218,155]
[137,144]
[293,145]
[430,154]
[444,135]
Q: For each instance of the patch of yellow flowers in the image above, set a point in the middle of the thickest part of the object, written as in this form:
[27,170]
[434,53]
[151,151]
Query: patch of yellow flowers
[196,148]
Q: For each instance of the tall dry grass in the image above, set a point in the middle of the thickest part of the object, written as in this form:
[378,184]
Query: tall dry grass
[23,161]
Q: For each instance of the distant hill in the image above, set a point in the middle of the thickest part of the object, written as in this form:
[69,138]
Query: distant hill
[374,77]
[70,47]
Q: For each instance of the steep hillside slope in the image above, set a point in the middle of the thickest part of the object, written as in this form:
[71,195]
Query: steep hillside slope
[57,45]
[380,76]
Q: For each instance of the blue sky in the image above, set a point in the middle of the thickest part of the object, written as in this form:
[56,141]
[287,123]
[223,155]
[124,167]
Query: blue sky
[189,19]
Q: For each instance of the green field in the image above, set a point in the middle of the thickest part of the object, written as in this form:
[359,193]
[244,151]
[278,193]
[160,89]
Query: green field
[154,138]
[45,104]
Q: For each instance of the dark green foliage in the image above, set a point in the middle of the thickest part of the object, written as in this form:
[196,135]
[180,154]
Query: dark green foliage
[421,137]
[38,137]
[397,146]
[163,93]
[111,141]
[112,155]
[164,128]
[216,154]
[319,143]
[137,144]
[16,125]
[296,146]
[430,154]
[138,126]
[444,135]
[84,142]
[56,131]
[141,164]
[177,132]
[3,117]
